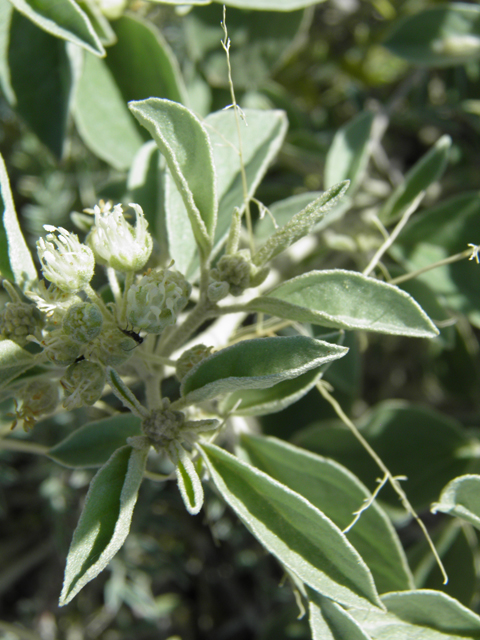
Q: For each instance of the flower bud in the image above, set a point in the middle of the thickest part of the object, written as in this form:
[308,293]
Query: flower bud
[111,348]
[233,274]
[155,301]
[83,322]
[190,358]
[83,384]
[116,243]
[60,349]
[19,320]
[65,261]
[40,397]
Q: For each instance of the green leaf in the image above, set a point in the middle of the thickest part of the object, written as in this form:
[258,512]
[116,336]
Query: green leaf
[145,187]
[99,22]
[184,142]
[329,621]
[294,531]
[261,141]
[94,443]
[336,492]
[461,498]
[105,520]
[426,171]
[13,361]
[438,233]
[260,402]
[6,12]
[41,80]
[438,36]
[189,483]
[256,364]
[63,19]
[349,152]
[104,121]
[142,63]
[347,300]
[425,614]
[267,5]
[424,445]
[16,262]
[262,138]
[299,225]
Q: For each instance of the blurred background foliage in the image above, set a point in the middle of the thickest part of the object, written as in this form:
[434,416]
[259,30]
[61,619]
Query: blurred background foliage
[68,140]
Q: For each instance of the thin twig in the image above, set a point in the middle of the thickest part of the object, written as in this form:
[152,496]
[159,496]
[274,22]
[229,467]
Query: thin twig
[392,480]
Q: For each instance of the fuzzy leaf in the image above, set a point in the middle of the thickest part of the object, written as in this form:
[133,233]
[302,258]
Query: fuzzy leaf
[440,36]
[41,81]
[257,364]
[94,443]
[260,402]
[105,520]
[329,621]
[16,262]
[189,483]
[336,492]
[425,614]
[347,300]
[104,123]
[295,532]
[461,498]
[300,224]
[63,19]
[184,142]
[13,361]
[426,171]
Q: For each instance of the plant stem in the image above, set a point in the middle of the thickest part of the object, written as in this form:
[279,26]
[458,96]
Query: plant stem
[23,446]
[393,236]
[413,274]
[392,480]
[203,310]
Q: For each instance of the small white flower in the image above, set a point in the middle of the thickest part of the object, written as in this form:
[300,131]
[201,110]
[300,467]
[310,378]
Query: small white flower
[116,243]
[65,261]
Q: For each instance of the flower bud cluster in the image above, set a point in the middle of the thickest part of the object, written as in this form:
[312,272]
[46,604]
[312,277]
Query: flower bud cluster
[19,320]
[39,398]
[190,358]
[83,384]
[156,300]
[234,273]
[165,426]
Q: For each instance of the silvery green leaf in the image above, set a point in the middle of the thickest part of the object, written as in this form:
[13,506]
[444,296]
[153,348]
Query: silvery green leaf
[257,364]
[105,520]
[335,491]
[184,142]
[16,262]
[94,443]
[63,19]
[13,361]
[424,613]
[189,483]
[329,621]
[300,224]
[347,300]
[461,498]
[294,531]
